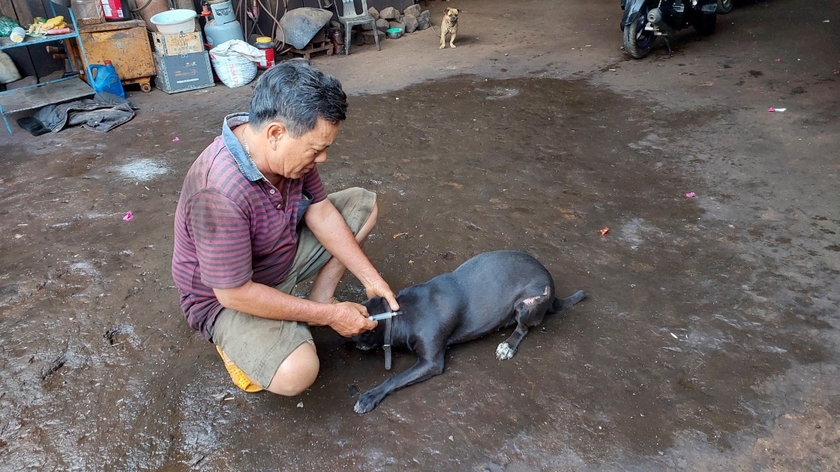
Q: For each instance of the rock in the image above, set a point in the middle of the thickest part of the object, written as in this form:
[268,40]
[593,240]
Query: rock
[413,10]
[424,20]
[396,24]
[382,24]
[374,13]
[389,13]
[368,37]
[410,23]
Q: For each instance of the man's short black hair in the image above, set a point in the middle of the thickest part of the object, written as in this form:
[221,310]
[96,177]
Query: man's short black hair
[297,95]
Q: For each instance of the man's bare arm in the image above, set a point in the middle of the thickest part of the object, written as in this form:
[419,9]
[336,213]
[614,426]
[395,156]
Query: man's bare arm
[332,232]
[346,318]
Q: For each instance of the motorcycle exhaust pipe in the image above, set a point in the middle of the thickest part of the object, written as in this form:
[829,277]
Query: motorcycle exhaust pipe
[654,16]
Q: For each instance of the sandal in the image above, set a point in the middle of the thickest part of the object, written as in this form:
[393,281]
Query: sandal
[239,378]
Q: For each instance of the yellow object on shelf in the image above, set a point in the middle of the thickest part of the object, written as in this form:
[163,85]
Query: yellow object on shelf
[40,27]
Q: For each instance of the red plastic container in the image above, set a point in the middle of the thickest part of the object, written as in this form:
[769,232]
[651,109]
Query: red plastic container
[264,44]
[113,10]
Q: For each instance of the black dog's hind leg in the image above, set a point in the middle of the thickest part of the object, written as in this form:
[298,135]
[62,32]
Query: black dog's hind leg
[529,313]
[422,370]
[567,303]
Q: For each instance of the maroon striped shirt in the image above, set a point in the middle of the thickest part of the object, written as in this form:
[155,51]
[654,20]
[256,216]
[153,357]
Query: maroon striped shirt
[232,225]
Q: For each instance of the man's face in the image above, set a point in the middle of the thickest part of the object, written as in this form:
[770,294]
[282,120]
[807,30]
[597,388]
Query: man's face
[296,157]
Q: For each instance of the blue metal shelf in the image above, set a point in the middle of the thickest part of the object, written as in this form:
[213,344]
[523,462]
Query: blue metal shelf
[46,93]
[6,43]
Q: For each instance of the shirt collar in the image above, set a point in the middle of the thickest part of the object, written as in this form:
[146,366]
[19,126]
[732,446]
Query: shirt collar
[246,165]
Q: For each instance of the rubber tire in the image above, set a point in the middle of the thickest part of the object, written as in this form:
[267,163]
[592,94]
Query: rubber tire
[725,6]
[638,49]
[705,24]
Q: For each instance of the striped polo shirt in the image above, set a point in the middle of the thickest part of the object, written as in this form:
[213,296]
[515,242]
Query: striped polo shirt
[232,225]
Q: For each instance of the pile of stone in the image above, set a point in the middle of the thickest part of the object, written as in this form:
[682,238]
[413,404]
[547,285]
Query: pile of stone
[411,19]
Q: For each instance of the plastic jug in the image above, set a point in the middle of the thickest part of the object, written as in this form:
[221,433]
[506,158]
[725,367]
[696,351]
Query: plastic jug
[104,78]
[266,46]
[88,12]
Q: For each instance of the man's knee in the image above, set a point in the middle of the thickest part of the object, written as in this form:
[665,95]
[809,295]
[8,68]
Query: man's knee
[297,372]
[362,234]
[374,213]
[358,207]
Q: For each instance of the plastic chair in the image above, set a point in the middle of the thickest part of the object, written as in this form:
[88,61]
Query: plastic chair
[349,18]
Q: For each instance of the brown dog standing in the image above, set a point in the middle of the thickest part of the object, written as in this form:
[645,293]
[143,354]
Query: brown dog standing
[449,25]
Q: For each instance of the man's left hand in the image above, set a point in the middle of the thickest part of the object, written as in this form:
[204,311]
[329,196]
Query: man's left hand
[381,289]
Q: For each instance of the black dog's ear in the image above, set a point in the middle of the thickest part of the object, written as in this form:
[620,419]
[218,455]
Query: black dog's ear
[376,305]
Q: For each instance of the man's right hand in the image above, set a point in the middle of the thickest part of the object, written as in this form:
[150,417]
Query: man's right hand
[350,319]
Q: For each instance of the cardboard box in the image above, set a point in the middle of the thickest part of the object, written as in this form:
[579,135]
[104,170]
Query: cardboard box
[185,72]
[178,43]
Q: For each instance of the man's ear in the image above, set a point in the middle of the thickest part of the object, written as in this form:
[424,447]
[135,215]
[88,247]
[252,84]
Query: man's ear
[276,131]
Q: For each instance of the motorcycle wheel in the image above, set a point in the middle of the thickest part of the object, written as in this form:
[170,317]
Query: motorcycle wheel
[637,41]
[725,6]
[705,24]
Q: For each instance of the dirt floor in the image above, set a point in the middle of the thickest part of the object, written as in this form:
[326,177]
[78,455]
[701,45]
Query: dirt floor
[711,337]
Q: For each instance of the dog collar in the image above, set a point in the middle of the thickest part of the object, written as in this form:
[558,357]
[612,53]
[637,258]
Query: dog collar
[387,344]
[386,317]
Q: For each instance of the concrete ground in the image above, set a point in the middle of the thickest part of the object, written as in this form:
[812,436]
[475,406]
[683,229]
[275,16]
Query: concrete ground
[710,337]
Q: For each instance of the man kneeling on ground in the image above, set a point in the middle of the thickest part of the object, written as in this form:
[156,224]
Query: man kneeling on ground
[253,220]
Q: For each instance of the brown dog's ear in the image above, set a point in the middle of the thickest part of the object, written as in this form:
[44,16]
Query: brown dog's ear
[458,10]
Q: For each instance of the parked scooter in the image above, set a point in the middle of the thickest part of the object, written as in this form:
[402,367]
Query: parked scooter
[725,6]
[644,20]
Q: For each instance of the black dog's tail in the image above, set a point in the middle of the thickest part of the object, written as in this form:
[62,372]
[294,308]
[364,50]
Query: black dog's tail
[566,303]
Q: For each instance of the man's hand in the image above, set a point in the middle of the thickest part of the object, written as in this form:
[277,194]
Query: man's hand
[350,319]
[381,289]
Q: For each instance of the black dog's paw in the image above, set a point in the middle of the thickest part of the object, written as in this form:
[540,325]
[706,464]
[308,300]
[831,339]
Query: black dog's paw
[367,402]
[504,351]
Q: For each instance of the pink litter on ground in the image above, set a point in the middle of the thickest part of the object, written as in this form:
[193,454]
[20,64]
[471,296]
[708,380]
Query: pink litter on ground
[176,139]
[778,60]
[128,216]
[690,195]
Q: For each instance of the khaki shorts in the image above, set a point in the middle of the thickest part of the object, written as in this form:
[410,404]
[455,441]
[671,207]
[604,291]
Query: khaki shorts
[259,345]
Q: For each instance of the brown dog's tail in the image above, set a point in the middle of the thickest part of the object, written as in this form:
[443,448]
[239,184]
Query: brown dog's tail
[566,303]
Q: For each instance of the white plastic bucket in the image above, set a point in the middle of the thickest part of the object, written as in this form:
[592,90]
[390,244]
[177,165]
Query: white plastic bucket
[175,21]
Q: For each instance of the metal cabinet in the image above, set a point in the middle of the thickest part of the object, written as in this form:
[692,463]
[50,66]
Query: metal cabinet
[124,43]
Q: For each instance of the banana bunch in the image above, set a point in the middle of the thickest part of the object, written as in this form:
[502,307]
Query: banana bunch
[41,26]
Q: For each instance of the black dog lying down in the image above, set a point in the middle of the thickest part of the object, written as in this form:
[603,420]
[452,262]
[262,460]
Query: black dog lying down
[490,291]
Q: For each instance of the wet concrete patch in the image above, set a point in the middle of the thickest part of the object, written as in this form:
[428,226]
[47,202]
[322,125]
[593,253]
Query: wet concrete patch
[142,170]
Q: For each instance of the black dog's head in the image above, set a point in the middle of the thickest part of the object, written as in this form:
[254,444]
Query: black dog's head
[373,339]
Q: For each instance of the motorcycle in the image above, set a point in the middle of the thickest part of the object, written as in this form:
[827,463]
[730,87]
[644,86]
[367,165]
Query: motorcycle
[645,20]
